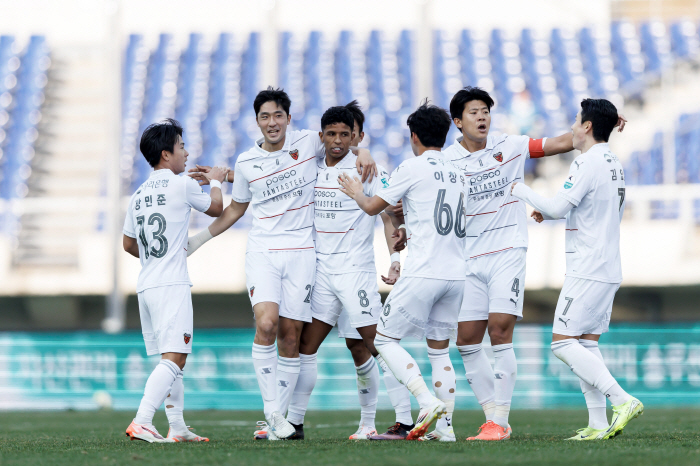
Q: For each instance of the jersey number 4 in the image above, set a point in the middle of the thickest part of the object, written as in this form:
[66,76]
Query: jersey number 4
[443,212]
[157,235]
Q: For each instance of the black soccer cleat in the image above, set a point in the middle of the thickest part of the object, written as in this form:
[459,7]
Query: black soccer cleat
[396,432]
[299,434]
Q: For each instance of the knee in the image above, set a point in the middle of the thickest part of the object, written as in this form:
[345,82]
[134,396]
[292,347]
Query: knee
[288,343]
[500,335]
[266,329]
[358,350]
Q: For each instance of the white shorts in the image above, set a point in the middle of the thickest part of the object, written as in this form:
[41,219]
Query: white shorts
[422,307]
[354,294]
[345,329]
[584,307]
[282,277]
[495,284]
[166,319]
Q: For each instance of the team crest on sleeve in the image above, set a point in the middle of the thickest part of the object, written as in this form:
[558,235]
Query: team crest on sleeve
[252,290]
[294,153]
[187,338]
[569,182]
[498,156]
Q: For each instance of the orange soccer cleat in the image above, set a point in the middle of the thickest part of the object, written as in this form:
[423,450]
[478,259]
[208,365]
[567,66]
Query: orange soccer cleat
[147,433]
[188,436]
[492,431]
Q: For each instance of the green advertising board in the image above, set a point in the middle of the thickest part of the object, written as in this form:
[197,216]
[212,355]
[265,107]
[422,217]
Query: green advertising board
[87,370]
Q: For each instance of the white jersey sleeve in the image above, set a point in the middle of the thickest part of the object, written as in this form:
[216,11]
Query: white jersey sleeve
[195,197]
[398,184]
[378,182]
[240,191]
[129,229]
[581,181]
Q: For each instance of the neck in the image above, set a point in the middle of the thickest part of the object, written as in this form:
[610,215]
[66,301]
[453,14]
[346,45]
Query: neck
[472,146]
[422,149]
[162,166]
[332,161]
[590,142]
[270,147]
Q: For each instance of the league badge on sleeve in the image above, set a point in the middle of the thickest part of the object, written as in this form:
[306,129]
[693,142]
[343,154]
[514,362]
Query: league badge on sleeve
[569,182]
[294,153]
[498,156]
[187,337]
[252,290]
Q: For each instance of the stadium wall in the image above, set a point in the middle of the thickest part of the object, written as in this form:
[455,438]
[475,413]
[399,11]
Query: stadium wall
[51,371]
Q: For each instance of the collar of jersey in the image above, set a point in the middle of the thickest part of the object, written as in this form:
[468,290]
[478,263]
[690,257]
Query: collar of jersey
[347,162]
[599,147]
[258,146]
[161,172]
[491,140]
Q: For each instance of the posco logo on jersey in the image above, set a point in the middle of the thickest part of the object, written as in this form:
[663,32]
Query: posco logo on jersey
[484,177]
[281,177]
[320,193]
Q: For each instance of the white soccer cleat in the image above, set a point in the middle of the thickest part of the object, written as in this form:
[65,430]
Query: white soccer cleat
[279,427]
[188,436]
[264,432]
[426,417]
[147,433]
[446,434]
[364,433]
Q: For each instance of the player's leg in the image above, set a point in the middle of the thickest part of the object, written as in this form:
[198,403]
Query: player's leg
[473,321]
[406,313]
[583,308]
[154,321]
[505,273]
[367,372]
[595,400]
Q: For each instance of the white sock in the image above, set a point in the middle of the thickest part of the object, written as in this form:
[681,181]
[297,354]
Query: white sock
[405,368]
[175,404]
[399,395]
[505,370]
[368,391]
[308,373]
[265,363]
[287,375]
[595,400]
[590,369]
[480,377]
[157,388]
[444,382]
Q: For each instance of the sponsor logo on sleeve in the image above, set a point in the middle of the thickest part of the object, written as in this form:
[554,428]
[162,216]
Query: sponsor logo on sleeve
[569,182]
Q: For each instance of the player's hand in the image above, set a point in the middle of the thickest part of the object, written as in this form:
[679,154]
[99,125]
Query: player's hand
[392,210]
[621,120]
[198,173]
[537,216]
[200,168]
[394,273]
[512,187]
[217,173]
[400,243]
[366,166]
[351,187]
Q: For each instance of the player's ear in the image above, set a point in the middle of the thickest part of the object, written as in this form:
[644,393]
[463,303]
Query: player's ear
[320,135]
[458,122]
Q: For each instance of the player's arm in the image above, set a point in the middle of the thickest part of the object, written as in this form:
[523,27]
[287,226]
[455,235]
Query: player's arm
[200,171]
[228,217]
[365,164]
[390,233]
[131,245]
[548,208]
[565,143]
[215,177]
[354,189]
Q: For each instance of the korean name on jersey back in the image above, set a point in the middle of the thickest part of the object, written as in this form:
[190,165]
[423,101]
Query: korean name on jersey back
[435,202]
[344,233]
[279,186]
[596,187]
[495,221]
[158,217]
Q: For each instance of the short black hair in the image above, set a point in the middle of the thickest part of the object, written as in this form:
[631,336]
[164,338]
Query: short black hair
[431,124]
[357,114]
[463,96]
[271,94]
[337,115]
[602,114]
[159,137]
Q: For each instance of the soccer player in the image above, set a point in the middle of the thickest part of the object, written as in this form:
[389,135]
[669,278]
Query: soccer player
[155,231]
[592,200]
[346,280]
[425,301]
[495,250]
[276,178]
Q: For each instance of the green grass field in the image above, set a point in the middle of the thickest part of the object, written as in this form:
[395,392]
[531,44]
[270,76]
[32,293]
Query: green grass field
[659,437]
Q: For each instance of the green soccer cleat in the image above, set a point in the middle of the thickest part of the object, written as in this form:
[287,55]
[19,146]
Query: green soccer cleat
[588,433]
[622,414]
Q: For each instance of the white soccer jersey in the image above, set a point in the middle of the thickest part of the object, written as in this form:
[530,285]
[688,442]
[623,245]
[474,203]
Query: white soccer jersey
[279,186]
[159,216]
[596,186]
[495,220]
[344,233]
[434,202]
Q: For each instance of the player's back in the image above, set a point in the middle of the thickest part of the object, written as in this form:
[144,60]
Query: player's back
[596,185]
[158,215]
[434,208]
